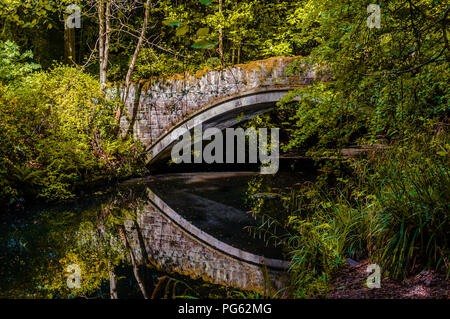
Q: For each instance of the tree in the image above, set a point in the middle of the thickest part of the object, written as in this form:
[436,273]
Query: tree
[135,56]
[387,81]
[104,33]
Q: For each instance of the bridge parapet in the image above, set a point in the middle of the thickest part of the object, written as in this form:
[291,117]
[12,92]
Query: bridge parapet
[156,105]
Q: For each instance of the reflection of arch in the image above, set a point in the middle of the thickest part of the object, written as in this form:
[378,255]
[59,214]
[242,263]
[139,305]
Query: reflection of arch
[178,246]
[221,114]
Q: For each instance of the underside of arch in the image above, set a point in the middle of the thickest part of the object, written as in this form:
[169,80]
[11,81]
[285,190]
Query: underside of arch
[223,114]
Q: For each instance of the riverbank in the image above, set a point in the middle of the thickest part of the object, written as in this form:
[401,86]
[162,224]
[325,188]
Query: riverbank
[350,283]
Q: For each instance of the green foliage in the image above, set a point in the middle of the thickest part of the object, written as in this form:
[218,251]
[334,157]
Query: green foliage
[391,208]
[27,14]
[413,188]
[13,64]
[315,256]
[59,134]
[387,83]
[388,86]
[152,64]
[185,32]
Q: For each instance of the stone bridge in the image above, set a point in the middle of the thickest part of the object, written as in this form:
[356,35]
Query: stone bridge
[212,97]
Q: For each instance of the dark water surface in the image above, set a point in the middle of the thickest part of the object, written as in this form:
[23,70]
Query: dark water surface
[37,245]
[219,204]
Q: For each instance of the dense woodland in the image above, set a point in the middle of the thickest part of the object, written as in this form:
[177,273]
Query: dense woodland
[389,93]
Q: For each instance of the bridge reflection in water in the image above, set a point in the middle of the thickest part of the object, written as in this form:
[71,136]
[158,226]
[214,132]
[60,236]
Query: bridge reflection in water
[189,246]
[192,224]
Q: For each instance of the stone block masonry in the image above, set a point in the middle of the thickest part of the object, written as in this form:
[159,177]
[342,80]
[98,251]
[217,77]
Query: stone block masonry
[164,102]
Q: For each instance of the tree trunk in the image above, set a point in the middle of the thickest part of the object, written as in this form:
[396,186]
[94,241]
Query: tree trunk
[137,95]
[101,43]
[232,55]
[239,53]
[104,17]
[101,231]
[221,35]
[134,60]
[112,283]
[69,44]
[136,272]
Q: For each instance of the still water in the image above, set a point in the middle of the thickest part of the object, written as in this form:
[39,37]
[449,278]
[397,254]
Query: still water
[171,235]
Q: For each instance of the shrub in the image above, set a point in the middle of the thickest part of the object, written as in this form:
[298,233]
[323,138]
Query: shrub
[412,187]
[60,135]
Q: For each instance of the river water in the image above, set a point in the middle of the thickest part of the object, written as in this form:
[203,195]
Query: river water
[185,234]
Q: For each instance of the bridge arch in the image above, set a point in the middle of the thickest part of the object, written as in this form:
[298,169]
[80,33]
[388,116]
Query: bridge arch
[220,114]
[213,97]
[177,246]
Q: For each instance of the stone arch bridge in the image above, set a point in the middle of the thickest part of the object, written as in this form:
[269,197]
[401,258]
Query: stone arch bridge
[212,97]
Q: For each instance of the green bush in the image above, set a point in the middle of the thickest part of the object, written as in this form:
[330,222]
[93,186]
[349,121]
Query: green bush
[392,208]
[315,256]
[412,188]
[13,63]
[386,88]
[58,135]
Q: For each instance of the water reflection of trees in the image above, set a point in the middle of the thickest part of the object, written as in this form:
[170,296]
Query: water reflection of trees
[270,202]
[37,252]
[102,236]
